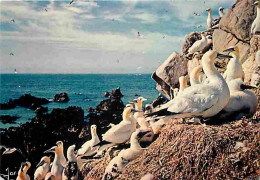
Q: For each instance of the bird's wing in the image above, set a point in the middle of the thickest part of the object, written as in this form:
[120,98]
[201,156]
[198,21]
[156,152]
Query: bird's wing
[83,150]
[195,99]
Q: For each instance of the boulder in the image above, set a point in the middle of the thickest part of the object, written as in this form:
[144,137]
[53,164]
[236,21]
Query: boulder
[8,119]
[170,71]
[239,18]
[223,40]
[62,97]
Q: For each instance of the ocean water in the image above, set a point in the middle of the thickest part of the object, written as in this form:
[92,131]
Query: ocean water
[84,90]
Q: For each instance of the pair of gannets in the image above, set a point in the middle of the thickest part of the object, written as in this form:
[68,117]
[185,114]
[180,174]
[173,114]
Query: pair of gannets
[117,164]
[255,28]
[22,173]
[201,100]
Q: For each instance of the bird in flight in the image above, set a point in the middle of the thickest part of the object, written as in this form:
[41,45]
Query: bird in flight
[71,1]
[12,20]
[11,54]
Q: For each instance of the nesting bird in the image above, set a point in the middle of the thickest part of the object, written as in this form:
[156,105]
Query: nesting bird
[57,167]
[201,100]
[43,167]
[209,19]
[117,164]
[139,116]
[242,101]
[199,45]
[234,68]
[255,28]
[22,173]
[88,149]
[71,170]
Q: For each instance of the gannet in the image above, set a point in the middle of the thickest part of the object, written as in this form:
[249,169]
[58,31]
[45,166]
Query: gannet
[139,116]
[255,28]
[183,83]
[42,168]
[255,78]
[209,19]
[201,100]
[220,11]
[71,170]
[156,125]
[148,108]
[10,150]
[234,68]
[22,173]
[121,132]
[57,167]
[62,157]
[241,101]
[197,76]
[117,164]
[88,149]
[199,45]
[175,92]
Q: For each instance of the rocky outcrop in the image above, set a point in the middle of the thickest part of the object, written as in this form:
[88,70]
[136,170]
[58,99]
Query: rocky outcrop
[26,100]
[62,97]
[238,19]
[8,119]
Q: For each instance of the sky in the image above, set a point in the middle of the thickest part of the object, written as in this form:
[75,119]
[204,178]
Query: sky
[96,36]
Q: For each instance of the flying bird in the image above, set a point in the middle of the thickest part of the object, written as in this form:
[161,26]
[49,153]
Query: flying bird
[12,20]
[11,54]
[71,2]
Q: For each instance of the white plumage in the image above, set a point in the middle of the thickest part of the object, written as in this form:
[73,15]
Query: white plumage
[256,23]
[42,168]
[22,173]
[199,45]
[209,19]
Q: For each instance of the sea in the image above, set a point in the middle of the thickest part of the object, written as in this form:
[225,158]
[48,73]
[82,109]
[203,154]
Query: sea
[84,90]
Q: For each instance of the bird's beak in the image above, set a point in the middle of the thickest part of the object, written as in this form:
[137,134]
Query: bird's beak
[243,87]
[134,101]
[50,150]
[134,110]
[142,133]
[144,99]
[223,56]
[229,50]
[40,164]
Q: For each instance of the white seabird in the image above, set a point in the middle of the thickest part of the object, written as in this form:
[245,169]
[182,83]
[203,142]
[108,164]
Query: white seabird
[241,102]
[139,116]
[220,11]
[43,167]
[121,132]
[88,149]
[22,173]
[209,19]
[201,100]
[255,78]
[71,170]
[234,68]
[183,84]
[62,157]
[255,28]
[117,164]
[197,76]
[57,167]
[199,45]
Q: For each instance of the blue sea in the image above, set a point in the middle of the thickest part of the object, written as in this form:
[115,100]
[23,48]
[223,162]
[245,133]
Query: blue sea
[84,90]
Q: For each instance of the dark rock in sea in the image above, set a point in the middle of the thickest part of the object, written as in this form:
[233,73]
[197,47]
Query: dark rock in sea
[42,133]
[108,111]
[136,95]
[62,97]
[26,100]
[41,109]
[106,94]
[8,119]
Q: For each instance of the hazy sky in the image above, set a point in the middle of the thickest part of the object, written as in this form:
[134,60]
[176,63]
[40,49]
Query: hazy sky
[96,36]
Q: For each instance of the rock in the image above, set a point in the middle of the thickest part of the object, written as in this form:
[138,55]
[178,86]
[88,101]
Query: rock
[170,71]
[9,105]
[8,119]
[106,94]
[159,101]
[223,40]
[41,109]
[239,18]
[62,97]
[42,133]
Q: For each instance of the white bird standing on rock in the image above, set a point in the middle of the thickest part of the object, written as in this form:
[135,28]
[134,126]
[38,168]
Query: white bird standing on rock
[71,171]
[201,100]
[62,157]
[22,173]
[255,78]
[199,45]
[220,11]
[209,19]
[57,167]
[121,132]
[234,68]
[139,116]
[117,164]
[255,28]
[88,149]
[241,102]
[43,167]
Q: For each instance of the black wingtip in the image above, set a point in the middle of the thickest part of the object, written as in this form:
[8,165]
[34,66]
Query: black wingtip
[101,143]
[162,112]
